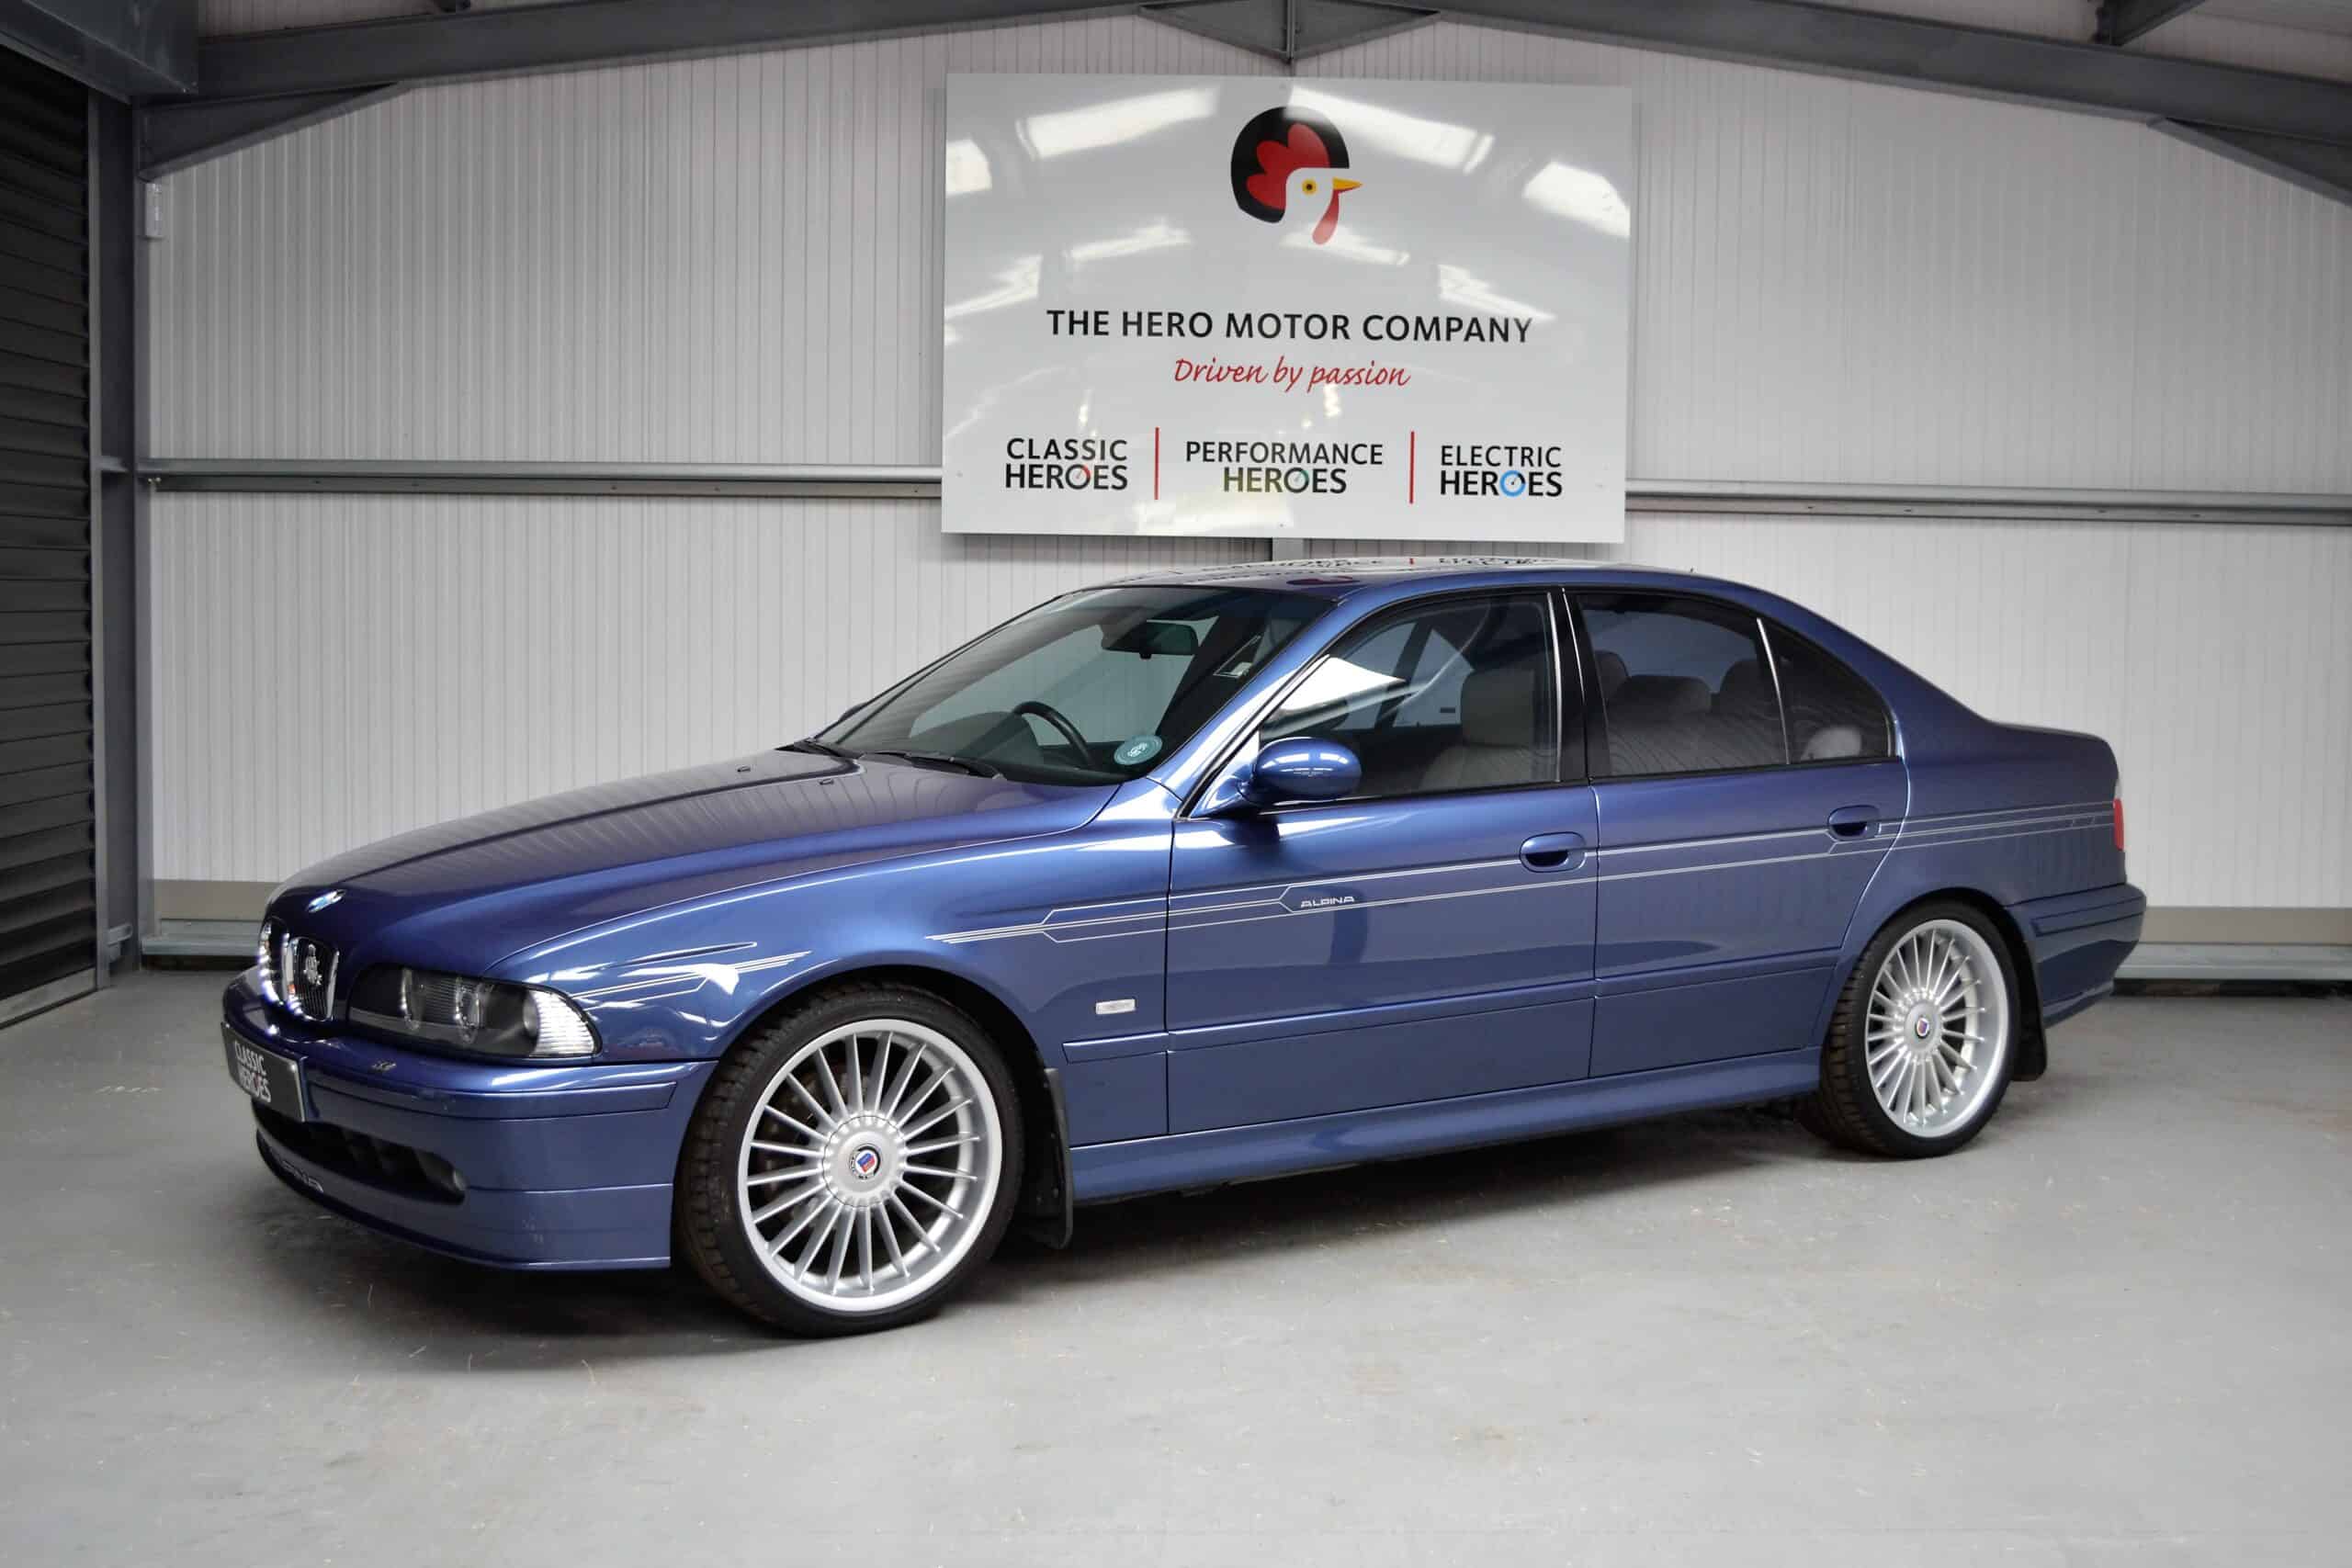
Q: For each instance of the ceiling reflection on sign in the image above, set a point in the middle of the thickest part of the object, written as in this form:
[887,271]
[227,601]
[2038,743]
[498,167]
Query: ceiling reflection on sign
[1462,287]
[1014,286]
[1156,236]
[967,167]
[1581,195]
[1122,120]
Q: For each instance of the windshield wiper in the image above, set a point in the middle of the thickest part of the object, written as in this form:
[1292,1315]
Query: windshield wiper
[822,748]
[979,770]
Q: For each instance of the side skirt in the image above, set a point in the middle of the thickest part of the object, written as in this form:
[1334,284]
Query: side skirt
[1101,1172]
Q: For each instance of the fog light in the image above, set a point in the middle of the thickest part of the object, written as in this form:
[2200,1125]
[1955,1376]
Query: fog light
[441,1173]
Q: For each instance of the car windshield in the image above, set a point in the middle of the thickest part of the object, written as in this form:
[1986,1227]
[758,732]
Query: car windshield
[1094,687]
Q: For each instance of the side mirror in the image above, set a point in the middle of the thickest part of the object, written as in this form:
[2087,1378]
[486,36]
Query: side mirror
[1302,768]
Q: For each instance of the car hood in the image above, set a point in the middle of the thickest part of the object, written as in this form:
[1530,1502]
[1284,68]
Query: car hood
[466,893]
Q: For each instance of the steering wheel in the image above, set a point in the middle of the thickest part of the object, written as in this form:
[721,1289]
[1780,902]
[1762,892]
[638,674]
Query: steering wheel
[1060,721]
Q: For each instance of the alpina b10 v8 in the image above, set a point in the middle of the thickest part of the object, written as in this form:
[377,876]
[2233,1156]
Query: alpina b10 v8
[1187,879]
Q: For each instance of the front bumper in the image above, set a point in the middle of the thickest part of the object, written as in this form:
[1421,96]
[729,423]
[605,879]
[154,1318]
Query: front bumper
[563,1166]
[2078,941]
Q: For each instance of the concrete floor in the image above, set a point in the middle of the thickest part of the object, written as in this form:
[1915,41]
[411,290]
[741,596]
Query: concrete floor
[2117,1329]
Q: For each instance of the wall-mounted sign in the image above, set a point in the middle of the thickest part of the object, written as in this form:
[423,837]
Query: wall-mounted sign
[1329,310]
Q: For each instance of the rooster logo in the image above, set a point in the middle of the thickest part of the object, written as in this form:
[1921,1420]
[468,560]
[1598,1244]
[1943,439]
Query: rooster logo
[1285,164]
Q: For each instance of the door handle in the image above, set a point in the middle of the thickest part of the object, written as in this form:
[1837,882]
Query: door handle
[1552,852]
[1854,821]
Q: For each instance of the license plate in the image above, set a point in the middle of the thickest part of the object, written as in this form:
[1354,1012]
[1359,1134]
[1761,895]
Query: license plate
[272,1079]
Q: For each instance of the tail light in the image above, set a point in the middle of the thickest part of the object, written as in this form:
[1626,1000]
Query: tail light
[2119,823]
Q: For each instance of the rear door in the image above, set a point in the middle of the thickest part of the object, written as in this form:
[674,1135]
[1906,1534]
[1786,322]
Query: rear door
[1730,860]
[1431,937]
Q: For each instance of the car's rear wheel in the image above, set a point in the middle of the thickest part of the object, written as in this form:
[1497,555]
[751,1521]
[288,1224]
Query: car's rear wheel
[853,1164]
[1921,1047]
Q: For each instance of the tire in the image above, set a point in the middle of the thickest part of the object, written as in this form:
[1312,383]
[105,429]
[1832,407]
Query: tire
[1935,995]
[822,1192]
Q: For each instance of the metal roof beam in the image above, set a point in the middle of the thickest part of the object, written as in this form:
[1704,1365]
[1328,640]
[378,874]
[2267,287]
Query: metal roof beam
[1289,30]
[1322,26]
[1793,34]
[1979,61]
[1261,27]
[517,41]
[121,50]
[2321,167]
[174,135]
[2121,21]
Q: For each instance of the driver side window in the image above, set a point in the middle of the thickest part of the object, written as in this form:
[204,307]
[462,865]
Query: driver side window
[1457,696]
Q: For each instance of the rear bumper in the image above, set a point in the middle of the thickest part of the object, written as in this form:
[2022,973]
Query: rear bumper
[562,1166]
[2078,941]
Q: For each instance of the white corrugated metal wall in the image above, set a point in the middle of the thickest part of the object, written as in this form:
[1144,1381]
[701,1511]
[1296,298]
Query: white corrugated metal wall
[733,260]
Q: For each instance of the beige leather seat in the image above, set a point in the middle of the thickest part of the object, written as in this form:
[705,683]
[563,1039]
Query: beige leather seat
[1497,744]
[1659,723]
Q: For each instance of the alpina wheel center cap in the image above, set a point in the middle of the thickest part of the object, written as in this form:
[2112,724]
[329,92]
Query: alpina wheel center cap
[861,1160]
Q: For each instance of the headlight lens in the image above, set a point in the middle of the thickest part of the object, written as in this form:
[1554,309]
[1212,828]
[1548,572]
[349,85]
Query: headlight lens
[490,1018]
[266,961]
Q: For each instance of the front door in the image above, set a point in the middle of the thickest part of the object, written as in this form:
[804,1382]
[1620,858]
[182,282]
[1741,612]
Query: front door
[1430,937]
[1735,841]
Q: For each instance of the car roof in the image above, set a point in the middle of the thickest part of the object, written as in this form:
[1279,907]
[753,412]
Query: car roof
[1342,576]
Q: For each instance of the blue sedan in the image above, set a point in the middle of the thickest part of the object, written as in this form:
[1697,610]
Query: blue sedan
[1189,879]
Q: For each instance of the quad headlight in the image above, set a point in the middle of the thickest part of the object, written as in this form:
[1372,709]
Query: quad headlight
[490,1018]
[266,961]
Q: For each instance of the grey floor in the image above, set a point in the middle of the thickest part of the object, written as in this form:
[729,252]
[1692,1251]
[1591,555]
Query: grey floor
[2117,1329]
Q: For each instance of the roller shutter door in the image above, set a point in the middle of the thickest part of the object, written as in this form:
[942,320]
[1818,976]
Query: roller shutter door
[48,891]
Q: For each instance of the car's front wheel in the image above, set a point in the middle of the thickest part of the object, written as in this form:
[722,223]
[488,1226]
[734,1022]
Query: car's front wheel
[853,1163]
[1920,1047]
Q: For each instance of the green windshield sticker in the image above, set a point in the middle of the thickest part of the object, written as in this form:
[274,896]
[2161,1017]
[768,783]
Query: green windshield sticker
[1138,748]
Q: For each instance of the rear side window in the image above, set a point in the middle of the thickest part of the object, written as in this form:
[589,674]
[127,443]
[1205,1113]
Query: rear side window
[1833,715]
[1683,687]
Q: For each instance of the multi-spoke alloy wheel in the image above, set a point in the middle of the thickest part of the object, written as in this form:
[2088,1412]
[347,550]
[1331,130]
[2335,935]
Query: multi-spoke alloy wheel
[1918,1053]
[876,1153]
[1938,1028]
[851,1162]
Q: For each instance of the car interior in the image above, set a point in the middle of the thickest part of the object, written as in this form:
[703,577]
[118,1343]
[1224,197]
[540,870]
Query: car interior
[1456,697]
[1102,689]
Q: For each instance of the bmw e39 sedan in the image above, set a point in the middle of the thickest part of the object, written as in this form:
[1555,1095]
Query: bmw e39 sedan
[1190,878]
